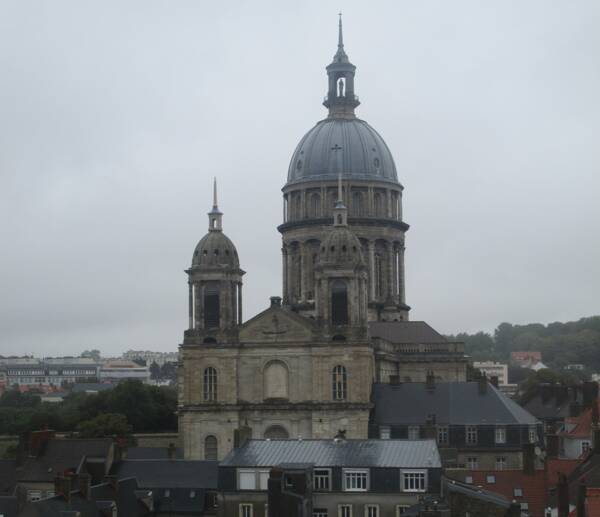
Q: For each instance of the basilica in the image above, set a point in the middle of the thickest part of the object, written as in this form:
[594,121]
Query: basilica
[305,367]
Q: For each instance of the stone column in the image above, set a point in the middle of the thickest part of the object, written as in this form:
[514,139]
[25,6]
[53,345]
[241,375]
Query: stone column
[191,305]
[284,260]
[303,273]
[401,276]
[303,204]
[388,196]
[197,312]
[395,271]
[390,264]
[323,200]
[239,305]
[372,270]
[370,203]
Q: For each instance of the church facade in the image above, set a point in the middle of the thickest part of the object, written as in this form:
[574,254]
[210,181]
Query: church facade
[305,366]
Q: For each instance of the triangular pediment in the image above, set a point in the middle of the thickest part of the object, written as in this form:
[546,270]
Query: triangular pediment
[276,325]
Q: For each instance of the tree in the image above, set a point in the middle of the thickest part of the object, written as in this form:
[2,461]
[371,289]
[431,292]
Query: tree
[94,354]
[106,424]
[16,399]
[154,371]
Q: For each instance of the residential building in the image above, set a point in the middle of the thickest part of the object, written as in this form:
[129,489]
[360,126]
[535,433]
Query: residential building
[575,435]
[373,478]
[119,370]
[493,369]
[150,357]
[42,456]
[177,487]
[475,424]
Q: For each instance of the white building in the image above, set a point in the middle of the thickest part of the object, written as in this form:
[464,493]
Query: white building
[492,369]
[120,370]
[150,357]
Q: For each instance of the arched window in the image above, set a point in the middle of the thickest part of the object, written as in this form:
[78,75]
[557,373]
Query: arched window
[211,450]
[298,207]
[212,309]
[357,204]
[276,380]
[210,384]
[276,432]
[315,205]
[339,380]
[339,303]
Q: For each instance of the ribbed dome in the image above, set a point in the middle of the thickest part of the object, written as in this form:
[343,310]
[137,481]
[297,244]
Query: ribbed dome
[215,249]
[341,248]
[340,144]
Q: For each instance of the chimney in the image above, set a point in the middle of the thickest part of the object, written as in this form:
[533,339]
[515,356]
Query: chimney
[529,459]
[57,485]
[514,510]
[275,301]
[581,493]
[590,393]
[113,482]
[482,384]
[171,450]
[552,445]
[394,380]
[85,485]
[494,381]
[242,435]
[595,439]
[430,428]
[563,496]
[66,482]
[430,381]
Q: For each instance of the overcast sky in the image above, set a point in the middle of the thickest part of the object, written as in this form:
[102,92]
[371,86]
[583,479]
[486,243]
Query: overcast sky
[115,115]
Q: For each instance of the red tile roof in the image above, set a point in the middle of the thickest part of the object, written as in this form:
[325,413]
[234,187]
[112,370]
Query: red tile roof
[583,424]
[554,466]
[533,487]
[592,502]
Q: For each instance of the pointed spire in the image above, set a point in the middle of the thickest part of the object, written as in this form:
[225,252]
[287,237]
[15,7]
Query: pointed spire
[340,34]
[340,212]
[215,216]
[215,204]
[340,55]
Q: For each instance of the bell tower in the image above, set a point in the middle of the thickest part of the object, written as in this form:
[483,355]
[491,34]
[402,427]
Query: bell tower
[341,278]
[341,99]
[215,281]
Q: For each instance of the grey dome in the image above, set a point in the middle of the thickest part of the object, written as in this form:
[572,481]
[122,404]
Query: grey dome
[362,153]
[215,249]
[341,248]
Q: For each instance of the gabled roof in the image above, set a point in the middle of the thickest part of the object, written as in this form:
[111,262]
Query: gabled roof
[332,453]
[60,455]
[405,332]
[533,486]
[167,474]
[582,424]
[452,403]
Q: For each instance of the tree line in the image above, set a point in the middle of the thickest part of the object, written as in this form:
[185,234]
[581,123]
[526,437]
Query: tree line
[130,407]
[561,344]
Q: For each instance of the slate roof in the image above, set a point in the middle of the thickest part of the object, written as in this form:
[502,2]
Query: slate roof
[8,477]
[169,473]
[329,453]
[458,403]
[179,500]
[152,453]
[405,332]
[8,506]
[60,455]
[125,497]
